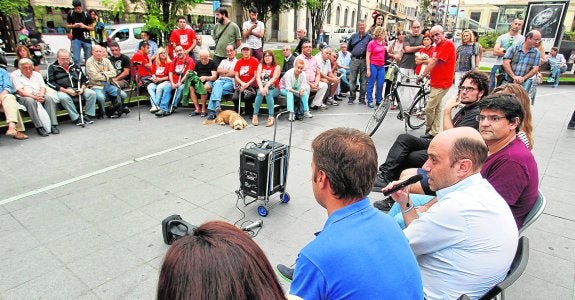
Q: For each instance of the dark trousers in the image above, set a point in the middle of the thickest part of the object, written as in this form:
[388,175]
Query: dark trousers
[407,151]
[572,122]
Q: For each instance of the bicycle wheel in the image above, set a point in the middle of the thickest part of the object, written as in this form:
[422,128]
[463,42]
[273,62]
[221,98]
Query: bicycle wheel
[416,114]
[378,115]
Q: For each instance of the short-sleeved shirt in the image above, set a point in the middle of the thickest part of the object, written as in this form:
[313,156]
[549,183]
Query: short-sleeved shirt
[443,72]
[311,66]
[227,64]
[268,73]
[465,53]
[228,35]
[344,59]
[246,69]
[205,70]
[323,65]
[507,41]
[142,59]
[522,62]
[160,70]
[120,63]
[429,53]
[183,37]
[377,53]
[181,67]
[358,45]
[80,33]
[513,173]
[408,59]
[252,40]
[31,85]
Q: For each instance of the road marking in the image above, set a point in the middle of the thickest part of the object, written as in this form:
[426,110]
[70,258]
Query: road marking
[110,168]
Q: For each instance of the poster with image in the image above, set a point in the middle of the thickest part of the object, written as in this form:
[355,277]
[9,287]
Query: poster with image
[547,17]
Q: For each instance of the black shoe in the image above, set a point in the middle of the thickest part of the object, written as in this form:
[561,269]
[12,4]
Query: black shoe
[42,132]
[160,113]
[125,110]
[285,272]
[427,136]
[380,182]
[211,115]
[79,122]
[87,120]
[571,126]
[384,205]
[54,129]
[315,107]
[362,102]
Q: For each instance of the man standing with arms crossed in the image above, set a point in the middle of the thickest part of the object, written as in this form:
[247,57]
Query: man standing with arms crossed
[411,44]
[357,67]
[504,42]
[253,32]
[441,68]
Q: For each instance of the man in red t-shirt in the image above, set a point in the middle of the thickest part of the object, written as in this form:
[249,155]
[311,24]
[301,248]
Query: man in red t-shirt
[245,69]
[441,67]
[182,36]
[177,69]
[141,61]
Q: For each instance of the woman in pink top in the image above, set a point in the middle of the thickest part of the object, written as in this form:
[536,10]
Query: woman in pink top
[375,60]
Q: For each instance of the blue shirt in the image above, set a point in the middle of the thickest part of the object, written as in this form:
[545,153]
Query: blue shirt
[359,44]
[5,82]
[522,62]
[361,253]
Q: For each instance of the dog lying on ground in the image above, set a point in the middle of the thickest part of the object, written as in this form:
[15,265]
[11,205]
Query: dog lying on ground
[229,117]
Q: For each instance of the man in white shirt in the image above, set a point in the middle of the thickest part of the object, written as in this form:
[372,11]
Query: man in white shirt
[558,65]
[343,61]
[224,85]
[253,33]
[465,243]
[31,89]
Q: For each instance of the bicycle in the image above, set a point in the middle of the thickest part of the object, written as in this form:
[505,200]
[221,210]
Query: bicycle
[414,117]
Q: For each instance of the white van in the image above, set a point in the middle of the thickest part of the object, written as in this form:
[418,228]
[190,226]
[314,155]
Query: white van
[128,36]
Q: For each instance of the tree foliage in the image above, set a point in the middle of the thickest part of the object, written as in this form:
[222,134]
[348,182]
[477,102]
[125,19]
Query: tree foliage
[318,11]
[13,7]
[268,8]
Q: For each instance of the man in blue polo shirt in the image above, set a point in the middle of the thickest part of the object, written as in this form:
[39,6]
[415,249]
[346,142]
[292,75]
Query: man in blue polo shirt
[360,253]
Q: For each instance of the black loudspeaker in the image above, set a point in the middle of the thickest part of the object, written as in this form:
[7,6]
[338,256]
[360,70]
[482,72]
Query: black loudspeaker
[259,164]
[173,228]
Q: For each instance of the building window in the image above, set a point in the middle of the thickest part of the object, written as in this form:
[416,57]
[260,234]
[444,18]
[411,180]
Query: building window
[352,17]
[337,15]
[493,19]
[475,16]
[345,17]
[329,14]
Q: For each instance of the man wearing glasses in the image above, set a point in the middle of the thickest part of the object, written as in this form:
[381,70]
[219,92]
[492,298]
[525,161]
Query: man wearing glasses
[289,58]
[409,151]
[522,61]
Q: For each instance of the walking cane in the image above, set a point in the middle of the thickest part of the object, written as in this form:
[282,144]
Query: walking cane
[80,98]
[135,85]
[184,74]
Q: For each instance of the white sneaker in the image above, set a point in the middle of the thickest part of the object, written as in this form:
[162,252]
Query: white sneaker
[154,109]
[307,114]
[323,107]
[291,117]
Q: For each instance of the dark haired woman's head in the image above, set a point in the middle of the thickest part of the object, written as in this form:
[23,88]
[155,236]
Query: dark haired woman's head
[218,262]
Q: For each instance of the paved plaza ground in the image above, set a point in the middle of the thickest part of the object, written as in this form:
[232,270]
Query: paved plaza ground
[80,212]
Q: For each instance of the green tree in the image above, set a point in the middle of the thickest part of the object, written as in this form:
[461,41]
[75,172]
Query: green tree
[317,10]
[13,7]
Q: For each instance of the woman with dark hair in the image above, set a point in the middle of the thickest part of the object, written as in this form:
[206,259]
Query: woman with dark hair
[218,262]
[526,130]
[377,21]
[23,52]
[267,77]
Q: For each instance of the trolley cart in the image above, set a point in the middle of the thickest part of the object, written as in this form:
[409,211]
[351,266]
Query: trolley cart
[263,171]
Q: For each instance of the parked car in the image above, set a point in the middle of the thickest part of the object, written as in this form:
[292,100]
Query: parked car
[126,35]
[342,34]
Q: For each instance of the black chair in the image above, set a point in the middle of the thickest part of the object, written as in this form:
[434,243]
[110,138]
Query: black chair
[515,271]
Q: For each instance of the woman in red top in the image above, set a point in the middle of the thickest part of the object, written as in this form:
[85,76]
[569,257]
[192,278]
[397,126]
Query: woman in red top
[422,56]
[160,86]
[267,77]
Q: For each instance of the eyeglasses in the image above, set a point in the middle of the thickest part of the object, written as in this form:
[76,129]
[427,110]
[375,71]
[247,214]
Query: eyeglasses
[468,89]
[268,55]
[493,118]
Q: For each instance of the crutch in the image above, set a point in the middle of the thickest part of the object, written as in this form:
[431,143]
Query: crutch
[80,98]
[135,85]
[176,92]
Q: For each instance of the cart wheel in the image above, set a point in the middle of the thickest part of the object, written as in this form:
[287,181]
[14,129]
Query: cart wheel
[284,197]
[262,211]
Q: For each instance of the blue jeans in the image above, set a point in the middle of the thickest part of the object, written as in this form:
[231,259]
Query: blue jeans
[159,92]
[377,73]
[416,200]
[344,84]
[494,70]
[77,47]
[556,73]
[220,87]
[289,99]
[269,100]
[89,109]
[108,91]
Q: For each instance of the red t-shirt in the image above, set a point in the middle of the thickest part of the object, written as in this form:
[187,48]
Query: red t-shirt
[183,37]
[247,69]
[267,75]
[444,71]
[142,59]
[160,70]
[429,53]
[178,67]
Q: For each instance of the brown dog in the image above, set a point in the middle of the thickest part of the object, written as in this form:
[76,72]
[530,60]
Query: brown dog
[229,117]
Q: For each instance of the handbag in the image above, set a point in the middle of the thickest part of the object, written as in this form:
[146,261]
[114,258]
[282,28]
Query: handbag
[44,117]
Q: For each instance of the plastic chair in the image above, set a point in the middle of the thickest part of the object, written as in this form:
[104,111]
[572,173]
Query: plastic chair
[535,212]
[515,271]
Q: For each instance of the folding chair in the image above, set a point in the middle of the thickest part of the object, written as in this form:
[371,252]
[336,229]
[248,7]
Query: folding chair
[535,212]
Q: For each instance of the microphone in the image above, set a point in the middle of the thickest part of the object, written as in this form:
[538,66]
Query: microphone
[409,181]
[254,225]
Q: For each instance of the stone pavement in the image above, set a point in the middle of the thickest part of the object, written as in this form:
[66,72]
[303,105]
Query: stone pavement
[80,212]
